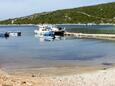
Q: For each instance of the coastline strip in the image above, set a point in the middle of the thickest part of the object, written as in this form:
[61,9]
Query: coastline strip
[82,35]
[104,77]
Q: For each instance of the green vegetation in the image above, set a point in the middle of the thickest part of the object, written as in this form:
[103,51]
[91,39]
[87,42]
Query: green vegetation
[103,13]
[91,31]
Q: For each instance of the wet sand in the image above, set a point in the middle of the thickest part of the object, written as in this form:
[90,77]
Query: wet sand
[103,75]
[55,71]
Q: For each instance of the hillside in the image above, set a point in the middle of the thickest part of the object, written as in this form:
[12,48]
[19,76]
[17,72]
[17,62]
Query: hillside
[102,13]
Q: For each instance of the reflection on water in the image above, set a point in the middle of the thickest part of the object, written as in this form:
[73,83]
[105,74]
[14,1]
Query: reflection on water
[57,38]
[48,38]
[44,38]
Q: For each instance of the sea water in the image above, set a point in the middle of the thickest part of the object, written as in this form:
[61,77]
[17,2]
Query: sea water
[31,51]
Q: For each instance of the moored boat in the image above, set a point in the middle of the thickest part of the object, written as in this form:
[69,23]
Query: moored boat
[50,28]
[44,31]
[17,33]
[9,33]
[57,30]
[4,35]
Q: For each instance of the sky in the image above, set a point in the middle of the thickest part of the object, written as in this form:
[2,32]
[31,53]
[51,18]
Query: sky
[18,8]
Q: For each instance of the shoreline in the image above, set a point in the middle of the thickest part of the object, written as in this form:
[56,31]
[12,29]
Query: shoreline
[57,24]
[57,70]
[54,71]
[95,36]
[97,77]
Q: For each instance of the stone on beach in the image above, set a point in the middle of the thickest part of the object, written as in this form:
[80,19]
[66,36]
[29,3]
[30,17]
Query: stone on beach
[96,78]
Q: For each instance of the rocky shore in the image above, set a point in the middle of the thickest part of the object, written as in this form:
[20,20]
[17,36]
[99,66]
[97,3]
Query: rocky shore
[96,36]
[103,77]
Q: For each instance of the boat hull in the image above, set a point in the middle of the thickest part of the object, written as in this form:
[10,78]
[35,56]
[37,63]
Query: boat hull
[14,33]
[59,33]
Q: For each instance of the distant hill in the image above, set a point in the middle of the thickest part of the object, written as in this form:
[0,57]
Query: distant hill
[102,13]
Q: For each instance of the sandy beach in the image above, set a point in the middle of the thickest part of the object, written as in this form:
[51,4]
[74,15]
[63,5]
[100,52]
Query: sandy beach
[86,77]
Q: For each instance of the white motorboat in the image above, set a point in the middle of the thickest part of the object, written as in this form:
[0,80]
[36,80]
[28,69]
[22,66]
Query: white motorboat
[44,31]
[50,28]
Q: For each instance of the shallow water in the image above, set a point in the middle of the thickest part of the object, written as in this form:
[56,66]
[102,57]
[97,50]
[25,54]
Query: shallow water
[30,51]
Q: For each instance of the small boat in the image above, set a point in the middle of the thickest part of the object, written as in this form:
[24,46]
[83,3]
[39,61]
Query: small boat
[50,28]
[48,35]
[4,35]
[44,31]
[57,30]
[18,33]
[9,33]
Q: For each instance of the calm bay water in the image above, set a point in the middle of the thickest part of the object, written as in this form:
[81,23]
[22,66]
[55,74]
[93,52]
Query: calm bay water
[30,51]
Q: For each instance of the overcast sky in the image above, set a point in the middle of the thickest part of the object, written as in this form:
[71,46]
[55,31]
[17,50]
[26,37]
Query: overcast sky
[17,8]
